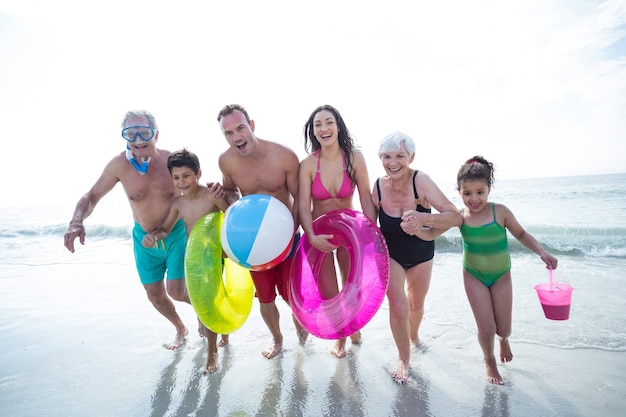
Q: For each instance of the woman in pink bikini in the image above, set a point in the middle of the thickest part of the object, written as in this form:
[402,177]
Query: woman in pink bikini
[327,179]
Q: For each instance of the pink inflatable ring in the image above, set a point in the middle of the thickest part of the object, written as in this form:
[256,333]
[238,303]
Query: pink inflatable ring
[366,285]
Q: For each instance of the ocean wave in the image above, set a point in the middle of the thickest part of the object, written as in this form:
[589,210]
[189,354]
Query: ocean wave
[558,240]
[583,337]
[93,231]
[608,345]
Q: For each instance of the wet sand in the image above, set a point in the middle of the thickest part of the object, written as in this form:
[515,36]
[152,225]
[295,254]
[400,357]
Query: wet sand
[82,340]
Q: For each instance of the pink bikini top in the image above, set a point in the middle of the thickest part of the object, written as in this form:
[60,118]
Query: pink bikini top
[318,192]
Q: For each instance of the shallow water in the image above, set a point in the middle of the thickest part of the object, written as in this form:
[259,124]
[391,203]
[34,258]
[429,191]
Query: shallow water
[79,337]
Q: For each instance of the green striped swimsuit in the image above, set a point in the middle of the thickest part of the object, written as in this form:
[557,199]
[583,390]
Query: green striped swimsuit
[486,251]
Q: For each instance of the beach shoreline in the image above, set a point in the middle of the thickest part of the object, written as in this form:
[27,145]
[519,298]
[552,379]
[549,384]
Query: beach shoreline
[97,350]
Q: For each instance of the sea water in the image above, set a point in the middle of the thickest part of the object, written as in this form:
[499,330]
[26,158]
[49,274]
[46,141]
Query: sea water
[580,219]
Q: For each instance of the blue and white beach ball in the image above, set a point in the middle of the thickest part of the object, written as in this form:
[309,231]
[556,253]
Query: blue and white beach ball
[257,232]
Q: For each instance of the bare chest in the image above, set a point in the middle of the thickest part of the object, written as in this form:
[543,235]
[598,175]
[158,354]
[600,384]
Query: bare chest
[396,202]
[266,180]
[154,186]
[194,211]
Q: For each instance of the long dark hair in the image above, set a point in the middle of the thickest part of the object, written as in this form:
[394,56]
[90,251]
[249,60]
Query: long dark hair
[346,142]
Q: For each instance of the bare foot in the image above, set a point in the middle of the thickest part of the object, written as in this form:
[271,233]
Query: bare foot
[421,348]
[505,350]
[339,350]
[300,331]
[493,376]
[273,351]
[356,338]
[401,374]
[179,340]
[416,342]
[211,363]
[201,329]
[224,341]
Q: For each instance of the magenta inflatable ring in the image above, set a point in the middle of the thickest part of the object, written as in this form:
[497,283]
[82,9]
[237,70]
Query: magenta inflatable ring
[366,285]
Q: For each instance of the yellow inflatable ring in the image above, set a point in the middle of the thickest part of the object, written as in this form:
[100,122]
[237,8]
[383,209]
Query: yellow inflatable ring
[222,305]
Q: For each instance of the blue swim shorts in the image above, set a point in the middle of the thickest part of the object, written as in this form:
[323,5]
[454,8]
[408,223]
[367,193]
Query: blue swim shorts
[168,255]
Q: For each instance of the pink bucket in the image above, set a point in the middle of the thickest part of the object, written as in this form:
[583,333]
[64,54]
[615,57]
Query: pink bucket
[556,301]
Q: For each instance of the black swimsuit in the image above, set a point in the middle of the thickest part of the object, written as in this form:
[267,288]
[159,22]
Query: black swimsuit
[407,250]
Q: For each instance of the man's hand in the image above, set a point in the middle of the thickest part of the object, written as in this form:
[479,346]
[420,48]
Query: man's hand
[74,231]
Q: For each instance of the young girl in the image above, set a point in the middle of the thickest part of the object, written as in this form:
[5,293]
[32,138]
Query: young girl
[486,259]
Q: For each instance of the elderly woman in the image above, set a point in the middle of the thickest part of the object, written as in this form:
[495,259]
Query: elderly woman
[404,197]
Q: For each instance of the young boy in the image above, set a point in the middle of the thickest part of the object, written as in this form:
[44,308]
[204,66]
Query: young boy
[195,201]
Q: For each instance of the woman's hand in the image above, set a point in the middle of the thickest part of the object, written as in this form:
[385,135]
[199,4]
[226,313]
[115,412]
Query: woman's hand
[322,242]
[413,221]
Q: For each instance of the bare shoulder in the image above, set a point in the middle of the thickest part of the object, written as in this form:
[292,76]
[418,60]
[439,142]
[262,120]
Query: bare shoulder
[118,159]
[383,181]
[424,184]
[422,177]
[280,150]
[378,188]
[207,197]
[116,166]
[280,155]
[226,159]
[430,194]
[506,218]
[502,211]
[308,162]
[226,154]
[358,159]
[178,204]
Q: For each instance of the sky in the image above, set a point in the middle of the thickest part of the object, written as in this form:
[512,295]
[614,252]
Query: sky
[537,87]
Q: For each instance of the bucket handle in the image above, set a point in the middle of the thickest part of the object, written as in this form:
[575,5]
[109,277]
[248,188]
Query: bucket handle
[551,279]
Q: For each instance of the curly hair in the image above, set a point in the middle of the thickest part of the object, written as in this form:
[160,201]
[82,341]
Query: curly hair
[476,168]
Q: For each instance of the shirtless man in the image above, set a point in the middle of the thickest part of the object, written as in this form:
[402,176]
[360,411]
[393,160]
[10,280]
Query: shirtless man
[255,166]
[142,170]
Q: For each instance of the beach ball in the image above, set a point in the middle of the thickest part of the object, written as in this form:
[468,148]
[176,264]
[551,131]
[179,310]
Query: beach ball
[257,232]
